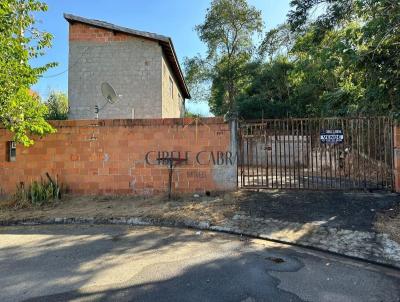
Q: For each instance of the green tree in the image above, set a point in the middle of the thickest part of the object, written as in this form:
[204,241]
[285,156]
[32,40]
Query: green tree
[191,114]
[57,106]
[269,94]
[227,31]
[364,37]
[277,42]
[20,41]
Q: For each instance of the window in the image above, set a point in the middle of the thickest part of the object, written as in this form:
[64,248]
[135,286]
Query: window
[171,87]
[11,151]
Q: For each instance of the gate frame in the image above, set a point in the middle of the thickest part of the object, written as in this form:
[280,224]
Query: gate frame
[390,178]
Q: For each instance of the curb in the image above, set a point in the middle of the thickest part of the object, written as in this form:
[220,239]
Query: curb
[200,225]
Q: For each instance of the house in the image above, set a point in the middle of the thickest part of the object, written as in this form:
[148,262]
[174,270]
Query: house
[141,67]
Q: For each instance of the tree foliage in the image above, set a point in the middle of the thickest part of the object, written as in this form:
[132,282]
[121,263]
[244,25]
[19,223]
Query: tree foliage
[343,61]
[277,41]
[20,41]
[57,106]
[355,42]
[331,58]
[227,31]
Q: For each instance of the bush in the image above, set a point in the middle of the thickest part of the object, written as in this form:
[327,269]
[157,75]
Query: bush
[38,192]
[57,105]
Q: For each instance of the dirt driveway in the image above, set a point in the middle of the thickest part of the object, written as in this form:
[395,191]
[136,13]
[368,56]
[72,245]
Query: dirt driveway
[356,211]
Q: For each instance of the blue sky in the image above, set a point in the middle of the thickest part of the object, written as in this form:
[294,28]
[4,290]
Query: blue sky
[174,18]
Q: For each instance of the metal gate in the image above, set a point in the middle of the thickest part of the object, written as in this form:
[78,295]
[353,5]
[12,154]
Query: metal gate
[317,153]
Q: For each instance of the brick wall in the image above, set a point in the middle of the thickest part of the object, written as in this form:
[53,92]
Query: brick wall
[85,33]
[130,64]
[109,156]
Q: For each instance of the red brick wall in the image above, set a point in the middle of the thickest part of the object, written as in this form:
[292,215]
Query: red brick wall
[108,156]
[87,33]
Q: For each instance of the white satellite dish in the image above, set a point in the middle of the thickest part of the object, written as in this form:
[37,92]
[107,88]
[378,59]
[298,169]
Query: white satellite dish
[109,93]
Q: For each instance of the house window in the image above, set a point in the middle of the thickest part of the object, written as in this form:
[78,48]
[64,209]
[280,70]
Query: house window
[171,87]
[11,151]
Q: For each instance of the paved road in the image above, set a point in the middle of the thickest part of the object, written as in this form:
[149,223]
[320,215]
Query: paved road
[119,263]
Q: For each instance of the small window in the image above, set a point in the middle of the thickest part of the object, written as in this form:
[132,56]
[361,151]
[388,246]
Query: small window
[171,87]
[11,151]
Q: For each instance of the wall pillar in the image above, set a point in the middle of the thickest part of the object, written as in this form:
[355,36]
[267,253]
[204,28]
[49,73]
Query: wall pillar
[396,144]
[233,128]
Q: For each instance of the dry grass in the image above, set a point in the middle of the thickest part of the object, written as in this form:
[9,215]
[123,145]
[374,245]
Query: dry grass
[215,208]
[389,223]
[6,203]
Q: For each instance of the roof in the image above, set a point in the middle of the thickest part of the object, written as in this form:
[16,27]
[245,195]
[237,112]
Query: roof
[165,42]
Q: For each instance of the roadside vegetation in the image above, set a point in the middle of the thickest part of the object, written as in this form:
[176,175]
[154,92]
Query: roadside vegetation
[36,194]
[57,106]
[330,58]
[21,111]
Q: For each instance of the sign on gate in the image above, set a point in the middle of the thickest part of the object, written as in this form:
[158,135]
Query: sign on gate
[332,136]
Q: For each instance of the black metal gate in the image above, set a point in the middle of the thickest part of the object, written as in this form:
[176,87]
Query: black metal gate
[317,153]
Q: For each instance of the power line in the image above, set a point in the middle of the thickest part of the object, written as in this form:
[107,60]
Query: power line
[73,65]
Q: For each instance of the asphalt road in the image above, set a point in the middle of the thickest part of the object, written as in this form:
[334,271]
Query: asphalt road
[119,263]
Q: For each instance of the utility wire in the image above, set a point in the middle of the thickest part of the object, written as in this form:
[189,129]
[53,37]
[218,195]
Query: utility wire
[73,65]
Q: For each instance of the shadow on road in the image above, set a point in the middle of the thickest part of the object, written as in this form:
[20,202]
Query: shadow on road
[119,263]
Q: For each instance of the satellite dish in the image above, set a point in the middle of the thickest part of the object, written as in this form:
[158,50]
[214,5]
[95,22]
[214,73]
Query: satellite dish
[109,93]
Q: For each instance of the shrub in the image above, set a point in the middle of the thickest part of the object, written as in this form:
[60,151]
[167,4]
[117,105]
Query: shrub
[38,192]
[57,105]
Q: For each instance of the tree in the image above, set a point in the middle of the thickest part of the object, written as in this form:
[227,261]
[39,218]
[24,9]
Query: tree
[227,31]
[367,52]
[277,42]
[191,114]
[20,41]
[57,106]
[333,12]
[269,94]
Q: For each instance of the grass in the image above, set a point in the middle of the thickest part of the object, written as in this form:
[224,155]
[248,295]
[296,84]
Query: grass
[37,193]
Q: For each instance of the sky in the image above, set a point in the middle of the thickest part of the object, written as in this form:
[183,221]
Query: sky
[173,18]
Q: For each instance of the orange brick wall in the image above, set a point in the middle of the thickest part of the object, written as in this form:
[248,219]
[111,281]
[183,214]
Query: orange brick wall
[108,156]
[83,32]
[397,158]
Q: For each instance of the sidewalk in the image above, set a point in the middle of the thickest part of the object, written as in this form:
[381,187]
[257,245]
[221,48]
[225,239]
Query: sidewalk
[352,224]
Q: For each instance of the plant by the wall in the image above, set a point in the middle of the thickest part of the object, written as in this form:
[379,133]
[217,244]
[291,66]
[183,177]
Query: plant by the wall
[38,192]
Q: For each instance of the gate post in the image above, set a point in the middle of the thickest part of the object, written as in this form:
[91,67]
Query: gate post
[396,159]
[233,127]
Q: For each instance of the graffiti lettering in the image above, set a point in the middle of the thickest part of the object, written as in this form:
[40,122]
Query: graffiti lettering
[202,158]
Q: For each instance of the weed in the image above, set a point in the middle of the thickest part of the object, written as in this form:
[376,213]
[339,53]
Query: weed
[38,192]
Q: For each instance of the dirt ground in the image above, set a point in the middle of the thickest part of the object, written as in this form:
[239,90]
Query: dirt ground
[388,222]
[353,211]
[213,208]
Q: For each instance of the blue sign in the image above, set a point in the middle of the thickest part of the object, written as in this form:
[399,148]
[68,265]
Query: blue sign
[332,136]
